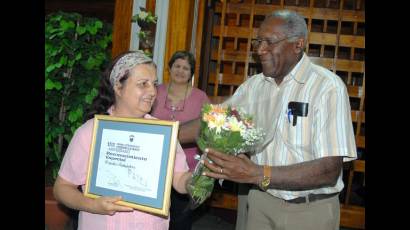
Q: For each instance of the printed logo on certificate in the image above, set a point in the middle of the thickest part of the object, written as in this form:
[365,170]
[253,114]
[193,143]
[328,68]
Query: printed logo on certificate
[133,158]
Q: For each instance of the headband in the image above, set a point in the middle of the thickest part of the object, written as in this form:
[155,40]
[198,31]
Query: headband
[126,63]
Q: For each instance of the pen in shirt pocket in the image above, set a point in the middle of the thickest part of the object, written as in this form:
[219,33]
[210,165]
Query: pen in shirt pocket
[289,114]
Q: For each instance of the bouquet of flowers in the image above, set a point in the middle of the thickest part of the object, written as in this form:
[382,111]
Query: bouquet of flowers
[228,130]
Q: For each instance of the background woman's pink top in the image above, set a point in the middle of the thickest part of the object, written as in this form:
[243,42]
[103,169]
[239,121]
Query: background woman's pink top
[74,170]
[184,112]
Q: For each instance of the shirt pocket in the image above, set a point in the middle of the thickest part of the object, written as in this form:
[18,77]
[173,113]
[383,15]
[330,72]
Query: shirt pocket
[299,135]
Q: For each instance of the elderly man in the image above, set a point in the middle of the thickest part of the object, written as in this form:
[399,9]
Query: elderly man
[305,111]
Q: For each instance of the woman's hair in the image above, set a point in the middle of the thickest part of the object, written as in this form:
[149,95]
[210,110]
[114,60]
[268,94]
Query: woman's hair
[294,26]
[117,71]
[183,55]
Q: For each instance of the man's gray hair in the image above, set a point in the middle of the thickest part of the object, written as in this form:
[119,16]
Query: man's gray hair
[294,26]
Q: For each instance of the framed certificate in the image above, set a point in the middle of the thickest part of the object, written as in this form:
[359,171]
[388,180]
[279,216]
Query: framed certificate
[133,158]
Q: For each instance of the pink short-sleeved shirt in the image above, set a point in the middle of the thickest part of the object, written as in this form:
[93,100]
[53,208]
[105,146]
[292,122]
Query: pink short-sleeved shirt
[187,110]
[74,170]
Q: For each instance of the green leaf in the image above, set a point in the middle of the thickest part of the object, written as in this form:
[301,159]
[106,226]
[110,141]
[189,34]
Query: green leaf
[50,68]
[89,97]
[142,34]
[65,25]
[63,61]
[93,28]
[91,62]
[49,84]
[71,63]
[98,24]
[78,56]
[53,84]
[134,18]
[81,30]
[75,115]
[103,43]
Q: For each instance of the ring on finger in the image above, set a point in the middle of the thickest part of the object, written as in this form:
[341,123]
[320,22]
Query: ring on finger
[221,170]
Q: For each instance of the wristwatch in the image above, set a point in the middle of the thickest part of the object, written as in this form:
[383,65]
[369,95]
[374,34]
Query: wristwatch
[264,185]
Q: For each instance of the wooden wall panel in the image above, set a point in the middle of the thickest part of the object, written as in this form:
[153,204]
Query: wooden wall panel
[198,38]
[121,36]
[150,6]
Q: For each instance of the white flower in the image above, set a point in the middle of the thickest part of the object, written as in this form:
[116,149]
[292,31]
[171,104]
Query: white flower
[217,122]
[142,15]
[234,125]
[252,136]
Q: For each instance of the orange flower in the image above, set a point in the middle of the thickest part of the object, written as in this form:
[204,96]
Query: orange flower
[208,118]
[218,109]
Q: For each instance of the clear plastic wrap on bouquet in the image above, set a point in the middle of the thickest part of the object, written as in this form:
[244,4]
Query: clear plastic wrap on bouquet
[199,194]
[228,130]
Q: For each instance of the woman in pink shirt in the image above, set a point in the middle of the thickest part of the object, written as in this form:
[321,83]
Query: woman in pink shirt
[128,89]
[179,101]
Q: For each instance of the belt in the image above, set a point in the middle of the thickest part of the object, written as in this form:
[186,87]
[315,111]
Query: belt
[311,198]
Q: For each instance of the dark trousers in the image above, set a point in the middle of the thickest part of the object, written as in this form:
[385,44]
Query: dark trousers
[180,213]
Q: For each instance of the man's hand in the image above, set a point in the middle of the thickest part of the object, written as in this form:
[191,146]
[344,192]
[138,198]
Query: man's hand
[318,173]
[234,168]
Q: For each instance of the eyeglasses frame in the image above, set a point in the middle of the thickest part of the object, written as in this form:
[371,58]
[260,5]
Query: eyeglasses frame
[268,41]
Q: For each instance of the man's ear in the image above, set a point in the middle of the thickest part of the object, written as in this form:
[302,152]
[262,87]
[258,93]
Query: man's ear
[299,45]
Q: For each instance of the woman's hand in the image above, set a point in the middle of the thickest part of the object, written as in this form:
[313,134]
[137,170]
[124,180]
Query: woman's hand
[106,205]
[68,194]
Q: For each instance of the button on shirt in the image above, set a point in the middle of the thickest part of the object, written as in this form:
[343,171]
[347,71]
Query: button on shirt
[326,130]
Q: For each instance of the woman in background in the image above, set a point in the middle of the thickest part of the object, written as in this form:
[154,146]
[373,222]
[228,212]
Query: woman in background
[181,102]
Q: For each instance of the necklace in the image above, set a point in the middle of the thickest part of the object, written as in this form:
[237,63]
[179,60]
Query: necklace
[174,108]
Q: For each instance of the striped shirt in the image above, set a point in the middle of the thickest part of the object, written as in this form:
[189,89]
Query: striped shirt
[326,130]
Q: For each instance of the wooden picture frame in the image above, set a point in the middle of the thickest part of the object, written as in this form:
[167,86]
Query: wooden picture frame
[133,158]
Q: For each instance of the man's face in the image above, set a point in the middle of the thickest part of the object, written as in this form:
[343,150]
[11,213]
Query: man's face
[277,55]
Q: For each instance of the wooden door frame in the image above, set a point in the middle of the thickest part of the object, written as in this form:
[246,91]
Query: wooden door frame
[121,35]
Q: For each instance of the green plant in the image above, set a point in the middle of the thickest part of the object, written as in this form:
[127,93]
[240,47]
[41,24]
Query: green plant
[147,22]
[144,16]
[76,51]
